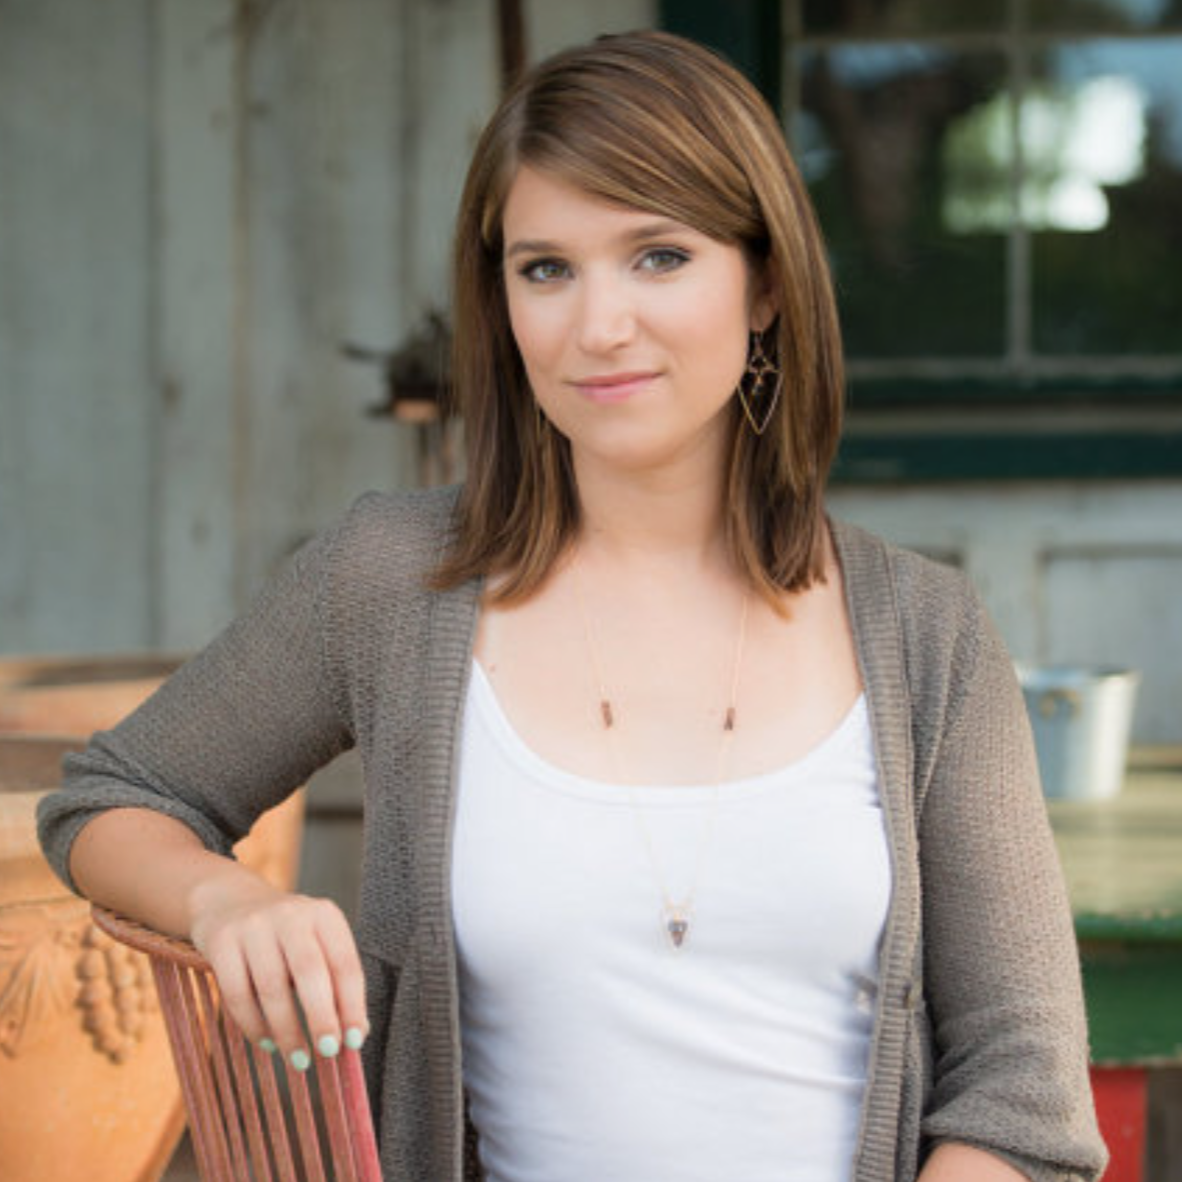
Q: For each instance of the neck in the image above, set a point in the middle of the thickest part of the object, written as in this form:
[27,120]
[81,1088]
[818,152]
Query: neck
[666,518]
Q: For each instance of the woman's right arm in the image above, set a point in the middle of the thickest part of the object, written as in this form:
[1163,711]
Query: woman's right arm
[151,809]
[268,947]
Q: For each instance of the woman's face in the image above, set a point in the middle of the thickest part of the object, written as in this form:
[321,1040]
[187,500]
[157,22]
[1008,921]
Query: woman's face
[633,328]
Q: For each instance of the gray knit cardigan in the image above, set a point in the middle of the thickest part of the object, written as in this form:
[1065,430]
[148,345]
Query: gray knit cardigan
[979,1031]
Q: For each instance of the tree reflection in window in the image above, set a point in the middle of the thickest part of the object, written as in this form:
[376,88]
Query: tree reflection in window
[1114,287]
[1001,184]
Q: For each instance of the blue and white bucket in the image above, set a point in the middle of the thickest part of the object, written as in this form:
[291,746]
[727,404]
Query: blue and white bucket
[1082,717]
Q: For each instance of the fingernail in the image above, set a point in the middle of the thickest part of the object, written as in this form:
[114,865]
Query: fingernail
[301,1060]
[354,1038]
[265,1044]
[329,1046]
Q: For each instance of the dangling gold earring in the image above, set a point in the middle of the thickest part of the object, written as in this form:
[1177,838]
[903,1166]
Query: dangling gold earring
[762,382]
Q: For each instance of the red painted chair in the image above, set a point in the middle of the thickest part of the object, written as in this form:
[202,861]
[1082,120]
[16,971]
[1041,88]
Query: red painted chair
[244,1124]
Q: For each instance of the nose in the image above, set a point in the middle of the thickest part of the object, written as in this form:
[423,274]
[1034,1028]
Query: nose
[607,315]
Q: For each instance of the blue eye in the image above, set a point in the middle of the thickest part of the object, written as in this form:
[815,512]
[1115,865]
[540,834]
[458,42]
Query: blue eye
[662,259]
[544,271]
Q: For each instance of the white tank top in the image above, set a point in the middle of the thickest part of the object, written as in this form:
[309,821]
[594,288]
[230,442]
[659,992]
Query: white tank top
[595,1052]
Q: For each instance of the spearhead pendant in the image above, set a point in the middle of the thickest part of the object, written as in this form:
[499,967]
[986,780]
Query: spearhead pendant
[676,922]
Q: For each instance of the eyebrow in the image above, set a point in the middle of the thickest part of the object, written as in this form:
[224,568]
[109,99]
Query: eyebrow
[650,230]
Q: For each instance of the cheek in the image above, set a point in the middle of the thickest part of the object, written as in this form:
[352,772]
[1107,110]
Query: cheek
[717,328]
[536,332]
[719,303]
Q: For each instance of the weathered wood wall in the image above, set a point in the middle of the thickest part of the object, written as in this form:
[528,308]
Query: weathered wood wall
[1072,573]
[201,202]
[76,422]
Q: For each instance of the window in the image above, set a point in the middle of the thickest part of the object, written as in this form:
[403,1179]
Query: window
[1000,184]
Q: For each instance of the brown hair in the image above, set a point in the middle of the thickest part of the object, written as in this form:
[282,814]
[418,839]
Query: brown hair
[660,124]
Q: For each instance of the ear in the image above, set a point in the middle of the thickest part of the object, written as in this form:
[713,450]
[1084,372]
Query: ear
[765,306]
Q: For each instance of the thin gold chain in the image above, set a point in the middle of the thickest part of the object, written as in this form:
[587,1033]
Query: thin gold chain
[675,915]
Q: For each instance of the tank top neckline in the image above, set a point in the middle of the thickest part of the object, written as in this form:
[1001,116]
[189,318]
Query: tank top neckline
[853,726]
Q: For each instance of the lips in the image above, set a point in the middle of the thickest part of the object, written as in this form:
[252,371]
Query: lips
[614,387]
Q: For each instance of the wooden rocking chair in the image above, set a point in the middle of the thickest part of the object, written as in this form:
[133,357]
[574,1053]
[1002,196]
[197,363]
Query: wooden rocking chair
[244,1124]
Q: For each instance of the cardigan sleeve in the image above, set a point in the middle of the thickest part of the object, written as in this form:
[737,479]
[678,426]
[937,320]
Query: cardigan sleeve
[233,732]
[1002,977]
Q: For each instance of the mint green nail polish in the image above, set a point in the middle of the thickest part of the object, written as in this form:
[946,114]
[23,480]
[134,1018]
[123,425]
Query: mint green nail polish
[328,1046]
[265,1044]
[354,1038]
[301,1060]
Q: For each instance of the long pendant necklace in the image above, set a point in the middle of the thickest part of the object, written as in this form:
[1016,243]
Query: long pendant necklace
[676,914]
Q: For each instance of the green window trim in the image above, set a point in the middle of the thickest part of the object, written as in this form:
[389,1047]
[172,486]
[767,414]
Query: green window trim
[948,456]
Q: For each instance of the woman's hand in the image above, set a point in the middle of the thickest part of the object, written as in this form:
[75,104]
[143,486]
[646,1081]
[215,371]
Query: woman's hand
[274,954]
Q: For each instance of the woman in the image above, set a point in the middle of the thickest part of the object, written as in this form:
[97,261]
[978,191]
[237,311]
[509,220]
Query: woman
[703,835]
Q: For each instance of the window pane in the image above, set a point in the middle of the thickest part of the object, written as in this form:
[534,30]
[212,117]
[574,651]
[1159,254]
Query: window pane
[1102,140]
[907,151]
[1097,16]
[908,17]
